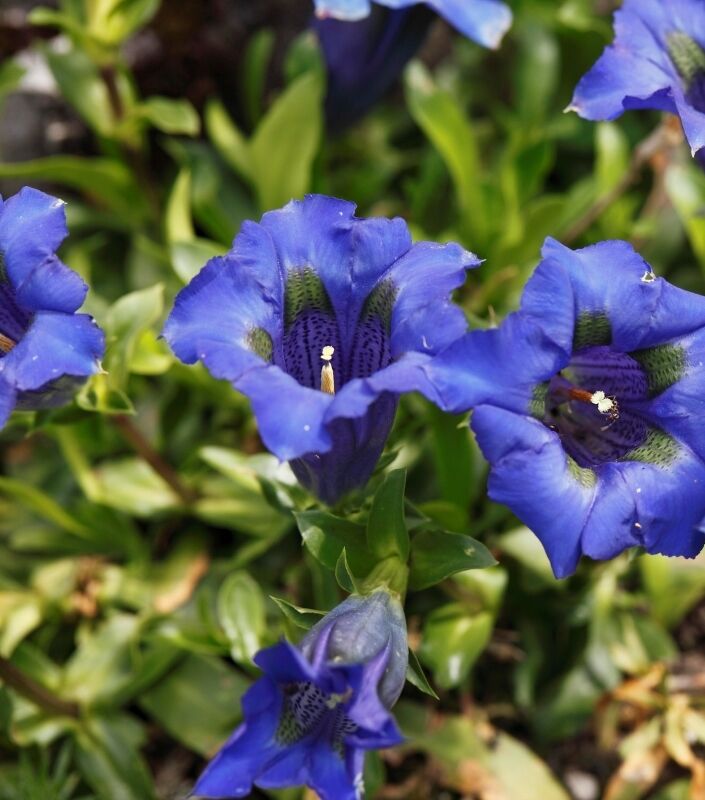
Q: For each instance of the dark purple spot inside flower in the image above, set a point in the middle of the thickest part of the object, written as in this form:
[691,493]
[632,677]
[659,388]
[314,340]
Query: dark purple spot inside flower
[13,320]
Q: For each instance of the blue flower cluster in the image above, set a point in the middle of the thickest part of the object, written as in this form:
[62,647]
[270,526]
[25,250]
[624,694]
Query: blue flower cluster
[46,350]
[587,401]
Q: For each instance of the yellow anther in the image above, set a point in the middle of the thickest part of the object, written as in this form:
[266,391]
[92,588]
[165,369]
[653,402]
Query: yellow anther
[327,376]
[6,344]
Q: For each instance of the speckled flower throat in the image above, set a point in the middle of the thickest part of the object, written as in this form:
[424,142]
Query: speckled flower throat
[688,57]
[13,321]
[360,346]
[309,711]
[597,402]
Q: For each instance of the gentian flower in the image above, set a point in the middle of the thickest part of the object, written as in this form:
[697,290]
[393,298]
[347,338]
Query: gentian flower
[657,61]
[319,706]
[483,21]
[366,46]
[589,404]
[46,350]
[314,292]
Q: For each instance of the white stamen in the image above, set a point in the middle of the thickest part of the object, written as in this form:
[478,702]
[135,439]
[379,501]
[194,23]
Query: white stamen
[327,376]
[597,397]
[605,405]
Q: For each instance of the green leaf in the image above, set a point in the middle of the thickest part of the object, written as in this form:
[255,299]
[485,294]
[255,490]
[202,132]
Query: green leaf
[417,677]
[285,144]
[254,73]
[435,555]
[130,485]
[685,186]
[304,618]
[673,585]
[228,140]
[453,639]
[439,115]
[189,258]
[197,702]
[242,615]
[109,758]
[178,224]
[326,536]
[343,573]
[11,73]
[81,85]
[109,182]
[176,117]
[124,323]
[43,505]
[387,534]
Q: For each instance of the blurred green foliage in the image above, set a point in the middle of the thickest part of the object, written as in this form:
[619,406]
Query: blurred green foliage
[137,597]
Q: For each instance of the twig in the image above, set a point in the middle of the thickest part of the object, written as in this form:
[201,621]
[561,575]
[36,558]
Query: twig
[663,137]
[145,450]
[13,677]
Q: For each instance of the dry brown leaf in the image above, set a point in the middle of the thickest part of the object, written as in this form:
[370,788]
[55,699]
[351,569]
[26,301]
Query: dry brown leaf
[181,592]
[640,771]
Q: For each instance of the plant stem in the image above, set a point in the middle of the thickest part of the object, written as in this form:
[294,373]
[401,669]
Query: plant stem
[664,137]
[144,449]
[11,676]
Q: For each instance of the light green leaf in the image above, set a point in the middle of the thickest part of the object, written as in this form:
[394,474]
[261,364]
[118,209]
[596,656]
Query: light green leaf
[286,142]
[242,615]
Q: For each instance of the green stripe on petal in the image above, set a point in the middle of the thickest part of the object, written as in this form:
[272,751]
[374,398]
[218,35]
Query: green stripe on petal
[663,365]
[304,292]
[591,330]
[659,449]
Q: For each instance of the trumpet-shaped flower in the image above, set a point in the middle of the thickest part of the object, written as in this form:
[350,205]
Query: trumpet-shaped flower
[588,405]
[657,61]
[319,706]
[46,350]
[323,319]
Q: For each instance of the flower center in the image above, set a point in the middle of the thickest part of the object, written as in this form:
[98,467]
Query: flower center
[688,58]
[308,710]
[13,321]
[589,405]
[351,348]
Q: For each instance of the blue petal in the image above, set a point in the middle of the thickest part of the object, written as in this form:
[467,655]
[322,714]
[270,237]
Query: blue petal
[223,305]
[365,58]
[425,319]
[284,663]
[608,278]
[530,474]
[329,776]
[483,21]
[55,345]
[32,226]
[349,10]
[692,119]
[349,254]
[501,366]
[250,749]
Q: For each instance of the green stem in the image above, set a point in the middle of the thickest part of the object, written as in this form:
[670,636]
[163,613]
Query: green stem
[13,677]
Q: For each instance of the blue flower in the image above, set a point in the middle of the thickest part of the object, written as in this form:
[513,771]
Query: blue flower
[589,404]
[319,706]
[46,350]
[657,61]
[364,59]
[484,21]
[307,278]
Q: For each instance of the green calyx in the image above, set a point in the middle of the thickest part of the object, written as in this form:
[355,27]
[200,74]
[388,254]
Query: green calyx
[687,56]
